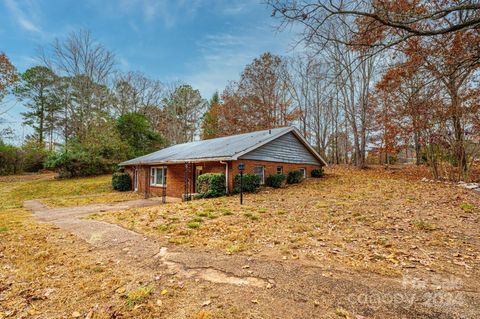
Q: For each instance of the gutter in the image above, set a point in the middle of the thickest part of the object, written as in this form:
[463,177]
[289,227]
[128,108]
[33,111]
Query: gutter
[226,175]
[196,160]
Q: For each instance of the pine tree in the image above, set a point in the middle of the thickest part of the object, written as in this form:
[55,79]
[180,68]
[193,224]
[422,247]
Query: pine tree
[37,90]
[210,126]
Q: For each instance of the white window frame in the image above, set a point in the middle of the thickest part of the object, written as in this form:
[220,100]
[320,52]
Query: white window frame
[153,176]
[304,171]
[281,169]
[263,173]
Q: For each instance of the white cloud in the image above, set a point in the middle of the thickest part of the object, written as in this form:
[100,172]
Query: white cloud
[25,17]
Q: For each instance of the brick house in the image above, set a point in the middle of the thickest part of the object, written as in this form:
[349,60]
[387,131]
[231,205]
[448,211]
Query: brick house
[172,171]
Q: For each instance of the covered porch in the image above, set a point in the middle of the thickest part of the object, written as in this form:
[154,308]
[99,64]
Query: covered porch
[174,180]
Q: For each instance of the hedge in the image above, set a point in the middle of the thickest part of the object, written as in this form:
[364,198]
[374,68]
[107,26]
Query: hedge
[276,180]
[121,182]
[211,185]
[251,183]
[294,177]
[318,172]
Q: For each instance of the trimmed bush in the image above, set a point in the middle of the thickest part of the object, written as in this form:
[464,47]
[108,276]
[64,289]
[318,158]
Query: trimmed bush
[211,185]
[121,182]
[318,172]
[294,177]
[251,183]
[276,181]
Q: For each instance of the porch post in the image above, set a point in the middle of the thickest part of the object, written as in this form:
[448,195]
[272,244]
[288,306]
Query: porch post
[147,184]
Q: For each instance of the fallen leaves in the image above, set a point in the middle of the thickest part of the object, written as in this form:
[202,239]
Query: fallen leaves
[346,217]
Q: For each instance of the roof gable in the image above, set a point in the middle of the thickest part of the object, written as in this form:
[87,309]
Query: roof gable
[286,149]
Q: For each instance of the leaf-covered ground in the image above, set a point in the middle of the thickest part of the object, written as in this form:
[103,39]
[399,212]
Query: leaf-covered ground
[350,223]
[371,220]
[48,273]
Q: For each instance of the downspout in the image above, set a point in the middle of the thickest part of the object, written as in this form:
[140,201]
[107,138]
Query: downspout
[226,175]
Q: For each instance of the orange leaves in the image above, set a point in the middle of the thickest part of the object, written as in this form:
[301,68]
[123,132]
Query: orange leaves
[8,73]
[260,100]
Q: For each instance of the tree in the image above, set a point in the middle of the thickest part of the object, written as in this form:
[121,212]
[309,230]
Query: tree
[8,76]
[260,100]
[86,66]
[183,109]
[134,91]
[135,129]
[383,24]
[37,88]
[210,125]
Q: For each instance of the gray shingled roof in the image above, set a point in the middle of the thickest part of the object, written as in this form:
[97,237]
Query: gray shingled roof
[223,148]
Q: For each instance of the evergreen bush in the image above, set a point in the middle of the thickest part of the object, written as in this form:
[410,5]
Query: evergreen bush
[276,181]
[251,183]
[318,172]
[211,185]
[294,177]
[121,182]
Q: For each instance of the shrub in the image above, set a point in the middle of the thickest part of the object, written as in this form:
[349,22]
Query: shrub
[10,159]
[276,181]
[251,183]
[78,162]
[211,185]
[318,172]
[34,156]
[294,177]
[121,182]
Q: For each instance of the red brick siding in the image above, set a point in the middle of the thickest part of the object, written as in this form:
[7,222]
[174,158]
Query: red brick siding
[176,177]
[269,167]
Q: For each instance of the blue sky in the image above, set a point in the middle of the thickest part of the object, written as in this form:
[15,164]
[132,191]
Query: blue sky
[202,42]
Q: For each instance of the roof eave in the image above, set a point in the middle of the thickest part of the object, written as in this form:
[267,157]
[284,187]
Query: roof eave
[191,160]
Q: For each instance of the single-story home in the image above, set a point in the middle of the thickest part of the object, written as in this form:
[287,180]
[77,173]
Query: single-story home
[172,171]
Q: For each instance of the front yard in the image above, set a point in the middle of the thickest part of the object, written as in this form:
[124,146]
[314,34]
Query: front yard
[372,220]
[334,234]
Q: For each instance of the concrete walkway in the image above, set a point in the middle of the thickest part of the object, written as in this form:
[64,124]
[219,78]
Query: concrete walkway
[290,286]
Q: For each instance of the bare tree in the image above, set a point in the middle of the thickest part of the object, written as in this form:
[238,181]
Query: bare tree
[368,20]
[80,55]
[87,66]
[134,91]
[354,82]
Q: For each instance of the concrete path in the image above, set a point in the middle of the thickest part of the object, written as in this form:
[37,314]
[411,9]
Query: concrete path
[285,283]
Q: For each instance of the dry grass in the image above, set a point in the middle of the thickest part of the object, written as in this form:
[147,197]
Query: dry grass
[369,220]
[58,192]
[90,199]
[372,220]
[50,274]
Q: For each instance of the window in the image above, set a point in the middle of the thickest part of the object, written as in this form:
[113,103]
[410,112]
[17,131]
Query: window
[260,171]
[304,172]
[279,169]
[158,176]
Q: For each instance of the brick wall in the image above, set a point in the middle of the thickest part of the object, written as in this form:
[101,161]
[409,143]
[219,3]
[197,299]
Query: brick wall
[176,177]
[270,168]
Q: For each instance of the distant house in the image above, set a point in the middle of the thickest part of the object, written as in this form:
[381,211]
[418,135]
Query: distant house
[172,171]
